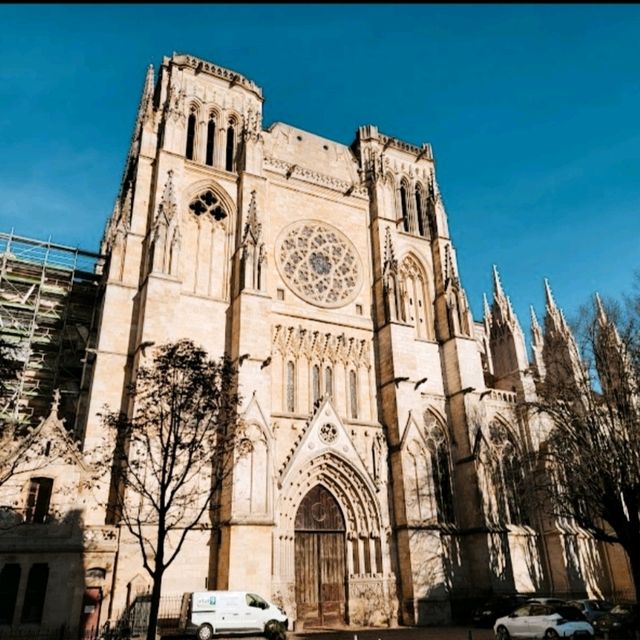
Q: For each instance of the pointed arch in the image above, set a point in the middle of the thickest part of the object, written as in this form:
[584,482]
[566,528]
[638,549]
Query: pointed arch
[211,138]
[502,463]
[439,449]
[403,196]
[416,296]
[252,472]
[420,204]
[192,125]
[231,142]
[208,225]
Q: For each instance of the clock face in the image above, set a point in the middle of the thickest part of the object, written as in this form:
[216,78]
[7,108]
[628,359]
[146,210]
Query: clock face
[319,263]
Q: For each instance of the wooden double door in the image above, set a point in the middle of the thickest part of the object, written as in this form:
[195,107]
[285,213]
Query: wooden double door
[321,575]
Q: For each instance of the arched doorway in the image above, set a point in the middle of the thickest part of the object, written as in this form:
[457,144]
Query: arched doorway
[320,560]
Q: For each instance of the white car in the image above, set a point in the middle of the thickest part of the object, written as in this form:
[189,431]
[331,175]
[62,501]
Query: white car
[537,620]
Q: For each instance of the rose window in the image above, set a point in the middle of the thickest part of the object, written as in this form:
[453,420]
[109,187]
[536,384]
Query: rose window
[319,263]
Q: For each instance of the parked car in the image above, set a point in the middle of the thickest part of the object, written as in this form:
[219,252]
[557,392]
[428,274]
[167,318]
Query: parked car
[591,609]
[496,607]
[554,602]
[535,620]
[623,621]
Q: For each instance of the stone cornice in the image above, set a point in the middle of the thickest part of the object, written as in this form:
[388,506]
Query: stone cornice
[313,177]
[219,72]
[424,151]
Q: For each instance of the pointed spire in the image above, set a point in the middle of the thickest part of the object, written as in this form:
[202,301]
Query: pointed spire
[168,203]
[551,303]
[602,315]
[485,307]
[148,83]
[536,330]
[252,216]
[390,262]
[497,285]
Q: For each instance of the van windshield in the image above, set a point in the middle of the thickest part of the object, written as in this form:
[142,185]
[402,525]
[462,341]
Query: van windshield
[254,600]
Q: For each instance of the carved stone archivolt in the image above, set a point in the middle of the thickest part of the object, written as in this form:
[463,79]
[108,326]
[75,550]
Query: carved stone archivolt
[319,263]
[360,507]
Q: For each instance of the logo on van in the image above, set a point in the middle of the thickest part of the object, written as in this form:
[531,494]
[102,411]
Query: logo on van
[212,599]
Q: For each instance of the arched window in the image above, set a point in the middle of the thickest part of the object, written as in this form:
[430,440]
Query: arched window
[315,382]
[353,393]
[211,137]
[420,211]
[191,134]
[416,297]
[508,476]
[440,464]
[208,204]
[231,143]
[328,382]
[404,208]
[291,387]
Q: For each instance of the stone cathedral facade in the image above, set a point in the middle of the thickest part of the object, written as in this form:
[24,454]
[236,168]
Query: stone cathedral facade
[384,479]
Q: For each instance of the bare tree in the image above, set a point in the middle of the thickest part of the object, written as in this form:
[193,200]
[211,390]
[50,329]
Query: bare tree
[173,453]
[590,460]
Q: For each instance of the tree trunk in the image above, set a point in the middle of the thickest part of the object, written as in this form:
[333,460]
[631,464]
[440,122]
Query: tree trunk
[155,605]
[634,560]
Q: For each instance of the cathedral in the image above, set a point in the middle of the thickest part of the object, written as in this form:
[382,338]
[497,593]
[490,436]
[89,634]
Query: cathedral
[385,478]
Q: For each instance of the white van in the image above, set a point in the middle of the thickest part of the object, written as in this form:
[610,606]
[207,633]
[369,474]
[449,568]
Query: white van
[209,613]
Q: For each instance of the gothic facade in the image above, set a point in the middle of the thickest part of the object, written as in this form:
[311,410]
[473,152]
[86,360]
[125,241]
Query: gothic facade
[385,478]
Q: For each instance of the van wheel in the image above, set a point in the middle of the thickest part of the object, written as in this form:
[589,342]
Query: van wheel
[205,632]
[273,630]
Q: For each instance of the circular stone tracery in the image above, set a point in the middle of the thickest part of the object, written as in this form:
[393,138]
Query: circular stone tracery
[319,263]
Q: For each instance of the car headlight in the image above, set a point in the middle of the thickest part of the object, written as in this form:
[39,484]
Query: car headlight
[282,611]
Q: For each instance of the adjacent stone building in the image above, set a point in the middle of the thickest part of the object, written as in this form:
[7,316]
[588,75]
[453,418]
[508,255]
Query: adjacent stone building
[385,476]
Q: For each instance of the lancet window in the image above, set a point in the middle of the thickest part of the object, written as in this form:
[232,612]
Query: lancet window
[231,144]
[211,138]
[291,387]
[191,134]
[353,393]
[507,473]
[440,470]
[315,382]
[404,205]
[420,213]
[328,381]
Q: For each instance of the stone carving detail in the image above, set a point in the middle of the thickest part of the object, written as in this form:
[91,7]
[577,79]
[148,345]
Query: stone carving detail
[328,433]
[458,313]
[253,257]
[319,264]
[207,203]
[314,177]
[314,345]
[166,237]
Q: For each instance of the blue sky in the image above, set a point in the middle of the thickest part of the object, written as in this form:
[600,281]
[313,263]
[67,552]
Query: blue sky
[532,111]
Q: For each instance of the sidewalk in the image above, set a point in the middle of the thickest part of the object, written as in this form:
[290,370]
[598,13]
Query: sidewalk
[398,633]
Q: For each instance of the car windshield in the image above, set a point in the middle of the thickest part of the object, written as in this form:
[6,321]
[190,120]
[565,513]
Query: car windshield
[600,605]
[569,613]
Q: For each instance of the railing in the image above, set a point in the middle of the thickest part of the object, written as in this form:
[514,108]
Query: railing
[62,632]
[45,252]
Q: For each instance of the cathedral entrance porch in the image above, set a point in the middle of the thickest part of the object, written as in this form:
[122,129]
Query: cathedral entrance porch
[320,560]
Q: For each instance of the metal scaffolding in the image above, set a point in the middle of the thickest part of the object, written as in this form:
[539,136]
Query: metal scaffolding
[48,303]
